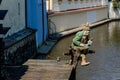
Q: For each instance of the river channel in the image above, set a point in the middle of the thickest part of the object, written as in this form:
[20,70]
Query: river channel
[105,63]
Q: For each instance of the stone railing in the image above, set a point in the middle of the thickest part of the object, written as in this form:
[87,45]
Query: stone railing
[62,5]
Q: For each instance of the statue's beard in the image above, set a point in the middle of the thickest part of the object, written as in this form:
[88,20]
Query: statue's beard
[86,33]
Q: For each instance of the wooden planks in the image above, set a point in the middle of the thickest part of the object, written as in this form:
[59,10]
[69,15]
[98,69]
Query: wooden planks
[47,70]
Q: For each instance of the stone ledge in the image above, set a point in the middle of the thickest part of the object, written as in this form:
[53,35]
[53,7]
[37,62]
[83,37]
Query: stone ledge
[75,10]
[46,47]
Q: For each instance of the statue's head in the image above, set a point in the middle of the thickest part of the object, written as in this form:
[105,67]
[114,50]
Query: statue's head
[86,29]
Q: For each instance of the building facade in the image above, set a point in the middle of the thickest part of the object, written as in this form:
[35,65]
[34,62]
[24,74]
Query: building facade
[21,41]
[15,17]
[25,13]
[69,14]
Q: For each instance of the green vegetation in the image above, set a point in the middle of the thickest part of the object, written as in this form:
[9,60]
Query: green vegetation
[116,3]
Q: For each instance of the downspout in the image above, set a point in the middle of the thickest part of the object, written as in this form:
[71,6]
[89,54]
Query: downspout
[47,17]
[43,19]
[49,6]
[109,2]
[26,14]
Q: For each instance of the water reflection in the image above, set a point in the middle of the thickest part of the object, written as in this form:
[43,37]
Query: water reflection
[106,35]
[114,31]
[105,62]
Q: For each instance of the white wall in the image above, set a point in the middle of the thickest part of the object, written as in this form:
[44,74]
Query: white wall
[54,5]
[15,17]
[62,22]
[102,14]
[113,13]
[91,16]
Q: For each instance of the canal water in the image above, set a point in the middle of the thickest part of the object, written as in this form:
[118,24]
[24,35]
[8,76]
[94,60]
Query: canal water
[105,63]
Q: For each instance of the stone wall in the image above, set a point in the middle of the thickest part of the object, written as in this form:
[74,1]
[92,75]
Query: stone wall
[19,47]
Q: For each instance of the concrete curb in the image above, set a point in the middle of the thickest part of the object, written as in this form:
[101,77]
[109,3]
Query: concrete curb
[65,33]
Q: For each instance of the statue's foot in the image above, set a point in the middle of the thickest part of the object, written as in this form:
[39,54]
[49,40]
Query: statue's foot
[85,64]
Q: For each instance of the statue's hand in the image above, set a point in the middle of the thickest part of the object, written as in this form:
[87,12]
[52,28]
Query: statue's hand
[89,42]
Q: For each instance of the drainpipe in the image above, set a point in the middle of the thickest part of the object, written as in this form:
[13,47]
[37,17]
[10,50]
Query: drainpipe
[108,5]
[43,19]
[26,14]
[109,2]
[49,6]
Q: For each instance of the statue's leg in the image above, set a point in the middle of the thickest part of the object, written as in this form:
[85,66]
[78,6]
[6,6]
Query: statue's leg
[76,55]
[83,58]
